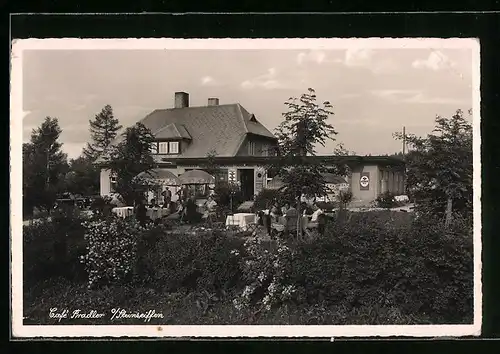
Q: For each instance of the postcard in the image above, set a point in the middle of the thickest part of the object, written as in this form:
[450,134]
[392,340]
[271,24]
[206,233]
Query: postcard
[173,188]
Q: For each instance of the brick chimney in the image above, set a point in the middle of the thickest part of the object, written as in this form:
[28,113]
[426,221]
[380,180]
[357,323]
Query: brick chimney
[181,100]
[213,101]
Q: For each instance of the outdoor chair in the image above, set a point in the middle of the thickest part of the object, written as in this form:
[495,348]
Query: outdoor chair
[252,228]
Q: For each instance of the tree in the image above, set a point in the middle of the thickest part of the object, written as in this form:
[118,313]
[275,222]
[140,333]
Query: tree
[211,166]
[340,150]
[304,127]
[82,177]
[44,166]
[103,130]
[440,167]
[128,159]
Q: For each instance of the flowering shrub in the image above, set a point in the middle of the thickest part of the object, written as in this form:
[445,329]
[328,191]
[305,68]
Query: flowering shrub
[111,249]
[266,273]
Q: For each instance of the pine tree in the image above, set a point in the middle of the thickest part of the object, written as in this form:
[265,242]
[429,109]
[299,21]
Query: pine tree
[103,130]
[128,159]
[44,166]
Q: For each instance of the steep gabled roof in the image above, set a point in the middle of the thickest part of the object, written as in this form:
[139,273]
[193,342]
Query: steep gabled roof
[220,128]
[253,126]
[173,131]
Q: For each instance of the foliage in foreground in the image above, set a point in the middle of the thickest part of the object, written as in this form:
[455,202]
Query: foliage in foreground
[381,267]
[440,167]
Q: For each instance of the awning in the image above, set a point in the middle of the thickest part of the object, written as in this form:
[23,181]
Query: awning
[162,176]
[196,177]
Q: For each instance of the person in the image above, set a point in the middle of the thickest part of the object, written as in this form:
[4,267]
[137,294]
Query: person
[209,207]
[141,211]
[167,197]
[285,208]
[316,212]
[175,211]
[275,211]
[117,200]
[183,194]
[210,204]
[192,214]
[153,203]
[306,209]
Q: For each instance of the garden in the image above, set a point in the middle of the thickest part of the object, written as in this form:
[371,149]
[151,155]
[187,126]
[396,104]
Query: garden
[367,268]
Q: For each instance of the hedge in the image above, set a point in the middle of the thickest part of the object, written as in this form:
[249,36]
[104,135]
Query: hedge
[368,268]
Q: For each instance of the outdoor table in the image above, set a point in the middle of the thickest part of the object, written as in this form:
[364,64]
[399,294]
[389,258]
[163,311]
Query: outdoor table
[123,212]
[157,213]
[242,220]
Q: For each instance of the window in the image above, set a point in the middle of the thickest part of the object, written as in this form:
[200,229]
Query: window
[251,148]
[154,147]
[112,182]
[265,150]
[173,147]
[163,148]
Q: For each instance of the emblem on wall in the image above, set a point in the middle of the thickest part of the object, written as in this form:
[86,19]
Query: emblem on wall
[364,181]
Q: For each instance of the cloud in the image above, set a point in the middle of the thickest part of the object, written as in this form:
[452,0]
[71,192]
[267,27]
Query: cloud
[435,61]
[358,57]
[424,99]
[395,95]
[316,56]
[266,81]
[413,96]
[209,81]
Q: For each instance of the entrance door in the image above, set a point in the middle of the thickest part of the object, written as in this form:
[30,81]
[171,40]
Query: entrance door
[247,183]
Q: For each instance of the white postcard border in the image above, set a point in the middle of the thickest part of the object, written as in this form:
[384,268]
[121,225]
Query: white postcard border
[17,115]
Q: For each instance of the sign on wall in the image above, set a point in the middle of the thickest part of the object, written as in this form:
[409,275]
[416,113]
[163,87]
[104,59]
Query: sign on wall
[364,181]
[232,176]
[259,180]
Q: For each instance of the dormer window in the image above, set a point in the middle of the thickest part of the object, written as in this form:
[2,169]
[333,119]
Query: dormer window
[163,148]
[166,147]
[173,147]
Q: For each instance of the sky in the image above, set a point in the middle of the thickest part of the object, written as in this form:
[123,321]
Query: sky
[374,92]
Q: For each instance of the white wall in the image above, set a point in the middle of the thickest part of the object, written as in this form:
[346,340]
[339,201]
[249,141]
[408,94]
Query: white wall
[105,182]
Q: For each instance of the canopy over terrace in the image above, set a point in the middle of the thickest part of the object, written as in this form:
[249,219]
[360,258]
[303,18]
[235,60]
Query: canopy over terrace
[196,177]
[160,176]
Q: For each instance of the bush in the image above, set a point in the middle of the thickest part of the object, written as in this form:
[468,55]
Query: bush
[52,248]
[386,200]
[111,249]
[203,261]
[223,192]
[345,197]
[415,266]
[266,272]
[377,267]
[267,197]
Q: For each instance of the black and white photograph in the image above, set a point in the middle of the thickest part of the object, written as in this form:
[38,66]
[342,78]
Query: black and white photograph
[245,187]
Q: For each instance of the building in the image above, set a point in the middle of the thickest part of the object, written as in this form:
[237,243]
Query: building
[186,135]
[242,146]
